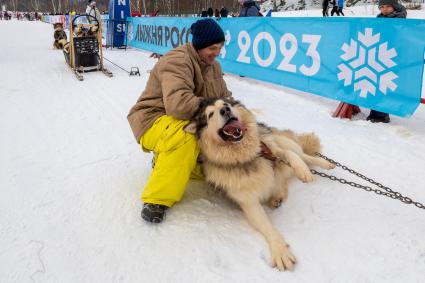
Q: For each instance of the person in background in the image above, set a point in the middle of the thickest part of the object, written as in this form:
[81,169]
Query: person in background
[224,12]
[391,9]
[325,8]
[216,13]
[176,86]
[340,4]
[249,8]
[92,10]
[388,9]
[210,12]
[334,8]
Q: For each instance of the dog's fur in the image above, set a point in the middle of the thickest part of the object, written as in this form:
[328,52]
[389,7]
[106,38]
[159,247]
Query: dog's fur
[233,162]
[59,36]
[82,30]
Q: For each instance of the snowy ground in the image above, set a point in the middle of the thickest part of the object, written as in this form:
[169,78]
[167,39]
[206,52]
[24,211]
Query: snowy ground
[72,175]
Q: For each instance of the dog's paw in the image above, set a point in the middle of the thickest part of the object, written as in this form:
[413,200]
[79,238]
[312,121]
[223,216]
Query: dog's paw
[282,258]
[304,175]
[275,202]
[324,164]
[330,166]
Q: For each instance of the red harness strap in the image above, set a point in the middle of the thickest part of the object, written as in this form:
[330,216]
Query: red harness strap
[267,153]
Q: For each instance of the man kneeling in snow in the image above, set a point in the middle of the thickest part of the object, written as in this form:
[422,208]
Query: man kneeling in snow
[177,84]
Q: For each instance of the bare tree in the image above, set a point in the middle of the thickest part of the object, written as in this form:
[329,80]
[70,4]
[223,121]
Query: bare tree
[56,6]
[35,4]
[144,7]
[14,4]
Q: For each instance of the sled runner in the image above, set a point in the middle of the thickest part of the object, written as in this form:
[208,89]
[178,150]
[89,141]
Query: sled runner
[83,53]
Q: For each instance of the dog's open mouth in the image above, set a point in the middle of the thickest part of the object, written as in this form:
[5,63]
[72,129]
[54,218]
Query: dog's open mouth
[232,131]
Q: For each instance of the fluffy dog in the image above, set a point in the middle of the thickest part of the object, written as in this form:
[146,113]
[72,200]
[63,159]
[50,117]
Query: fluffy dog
[59,36]
[252,164]
[82,30]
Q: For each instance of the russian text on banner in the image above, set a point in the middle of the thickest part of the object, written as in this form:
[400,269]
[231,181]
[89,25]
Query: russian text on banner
[374,63]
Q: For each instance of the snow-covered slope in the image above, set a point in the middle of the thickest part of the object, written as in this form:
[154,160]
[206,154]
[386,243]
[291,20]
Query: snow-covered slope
[72,175]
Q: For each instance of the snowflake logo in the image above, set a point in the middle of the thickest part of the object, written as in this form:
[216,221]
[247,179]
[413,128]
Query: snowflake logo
[366,64]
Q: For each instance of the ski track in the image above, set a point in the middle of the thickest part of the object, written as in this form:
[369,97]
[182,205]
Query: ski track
[72,175]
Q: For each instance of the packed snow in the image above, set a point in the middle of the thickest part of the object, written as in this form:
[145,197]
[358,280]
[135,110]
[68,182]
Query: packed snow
[72,176]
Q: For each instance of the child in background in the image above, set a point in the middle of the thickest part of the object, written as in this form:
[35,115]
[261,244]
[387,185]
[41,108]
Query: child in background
[389,9]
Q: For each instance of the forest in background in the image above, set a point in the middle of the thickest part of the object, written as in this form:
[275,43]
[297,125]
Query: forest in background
[175,7]
[165,7]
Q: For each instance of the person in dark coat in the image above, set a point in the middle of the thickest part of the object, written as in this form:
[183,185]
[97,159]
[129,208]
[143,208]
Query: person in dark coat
[389,9]
[249,9]
[204,14]
[335,8]
[210,12]
[325,7]
[224,12]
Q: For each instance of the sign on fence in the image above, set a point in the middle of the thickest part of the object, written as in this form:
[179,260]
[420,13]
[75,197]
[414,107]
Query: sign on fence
[374,63]
[119,10]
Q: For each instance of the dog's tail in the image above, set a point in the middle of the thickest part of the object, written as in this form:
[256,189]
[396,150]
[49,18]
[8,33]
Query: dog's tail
[310,143]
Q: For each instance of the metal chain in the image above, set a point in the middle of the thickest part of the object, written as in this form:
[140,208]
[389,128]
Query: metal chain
[388,192]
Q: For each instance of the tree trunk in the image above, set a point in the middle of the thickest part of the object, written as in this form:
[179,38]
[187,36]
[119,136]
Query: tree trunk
[54,6]
[144,7]
[14,5]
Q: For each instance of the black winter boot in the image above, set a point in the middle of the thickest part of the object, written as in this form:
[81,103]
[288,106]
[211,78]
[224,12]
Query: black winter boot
[378,117]
[154,213]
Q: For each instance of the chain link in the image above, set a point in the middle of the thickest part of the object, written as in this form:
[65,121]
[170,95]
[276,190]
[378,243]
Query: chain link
[385,192]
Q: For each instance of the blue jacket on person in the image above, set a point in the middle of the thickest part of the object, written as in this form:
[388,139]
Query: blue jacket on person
[249,9]
[340,3]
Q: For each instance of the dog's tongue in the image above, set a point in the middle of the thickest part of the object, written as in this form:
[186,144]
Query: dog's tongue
[234,127]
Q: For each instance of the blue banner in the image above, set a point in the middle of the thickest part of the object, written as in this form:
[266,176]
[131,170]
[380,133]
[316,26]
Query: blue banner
[159,34]
[372,62]
[119,11]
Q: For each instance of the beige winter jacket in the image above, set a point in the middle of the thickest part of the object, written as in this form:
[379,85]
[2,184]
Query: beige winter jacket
[175,87]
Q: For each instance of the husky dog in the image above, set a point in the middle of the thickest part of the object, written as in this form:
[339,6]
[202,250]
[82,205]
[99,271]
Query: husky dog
[59,35]
[252,164]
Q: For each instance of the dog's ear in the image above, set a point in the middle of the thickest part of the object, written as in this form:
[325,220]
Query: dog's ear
[190,128]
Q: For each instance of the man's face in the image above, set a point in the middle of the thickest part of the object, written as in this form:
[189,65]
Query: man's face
[208,54]
[386,9]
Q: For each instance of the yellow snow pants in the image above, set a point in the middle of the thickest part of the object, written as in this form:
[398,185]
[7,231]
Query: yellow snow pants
[175,156]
